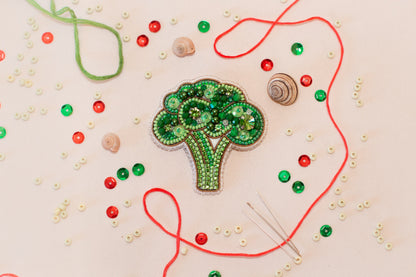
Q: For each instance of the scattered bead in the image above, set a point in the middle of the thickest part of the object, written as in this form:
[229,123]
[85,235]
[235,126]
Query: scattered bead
[34,60]
[353,155]
[125,15]
[31,21]
[76,166]
[20,57]
[10,78]
[78,137]
[2,156]
[287,267]
[332,206]
[359,103]
[355,95]
[83,160]
[341,203]
[316,237]
[17,116]
[236,18]
[266,64]
[238,229]
[136,120]
[98,106]
[64,155]
[184,250]
[227,232]
[28,83]
[298,260]
[123,173]
[66,202]
[243,242]
[380,239]
[26,35]
[376,233]
[75,2]
[138,169]
[56,186]
[359,80]
[360,207]
[284,176]
[298,187]
[283,1]
[81,207]
[112,212]
[90,10]
[97,95]
[326,230]
[47,38]
[98,8]
[297,48]
[22,82]
[137,233]
[388,246]
[278,273]
[119,25]
[56,219]
[114,223]
[203,26]
[380,226]
[304,161]
[173,21]
[90,124]
[128,238]
[357,87]
[25,116]
[148,75]
[342,216]
[154,26]
[29,44]
[38,181]
[39,91]
[31,109]
[163,55]
[337,23]
[367,204]
[338,191]
[58,86]
[226,13]
[201,238]
[353,164]
[331,54]
[320,95]
[309,137]
[214,273]
[344,178]
[110,182]
[31,72]
[142,40]
[306,80]
[127,203]
[289,132]
[64,214]
[364,138]
[35,27]
[126,38]
[17,72]
[68,242]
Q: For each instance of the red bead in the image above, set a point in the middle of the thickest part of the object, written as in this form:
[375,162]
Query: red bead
[306,80]
[142,40]
[304,160]
[98,106]
[267,65]
[47,37]
[154,26]
[2,55]
[78,137]
[110,182]
[112,212]
[201,238]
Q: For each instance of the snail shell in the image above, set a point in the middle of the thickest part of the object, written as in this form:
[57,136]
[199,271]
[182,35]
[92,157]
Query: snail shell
[111,142]
[282,89]
[183,46]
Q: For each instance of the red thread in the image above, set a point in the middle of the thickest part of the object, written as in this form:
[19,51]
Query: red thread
[177,235]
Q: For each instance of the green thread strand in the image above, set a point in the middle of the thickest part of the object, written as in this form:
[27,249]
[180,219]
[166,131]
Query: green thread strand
[75,21]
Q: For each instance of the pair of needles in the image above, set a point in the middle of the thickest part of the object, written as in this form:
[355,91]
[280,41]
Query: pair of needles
[285,238]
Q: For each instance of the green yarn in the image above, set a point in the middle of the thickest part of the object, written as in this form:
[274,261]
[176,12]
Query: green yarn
[75,21]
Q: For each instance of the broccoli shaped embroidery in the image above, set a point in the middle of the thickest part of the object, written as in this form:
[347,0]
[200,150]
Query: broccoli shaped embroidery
[204,110]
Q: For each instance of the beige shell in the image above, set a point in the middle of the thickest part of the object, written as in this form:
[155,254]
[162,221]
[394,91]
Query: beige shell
[282,89]
[183,46]
[111,142]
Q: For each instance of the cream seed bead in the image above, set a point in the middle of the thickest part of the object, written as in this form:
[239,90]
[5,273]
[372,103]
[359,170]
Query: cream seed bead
[28,83]
[64,155]
[34,60]
[148,75]
[298,260]
[90,124]
[81,207]
[59,86]
[341,203]
[2,156]
[90,10]
[119,25]
[312,156]
[388,246]
[283,1]
[25,116]
[76,166]
[128,238]
[38,181]
[68,242]
[287,267]
[56,186]
[359,103]
[316,237]
[137,233]
[360,207]
[289,132]
[173,21]
[226,13]
[184,250]
[364,138]
[98,8]
[359,80]
[367,204]
[337,23]
[163,55]
[376,233]
[31,21]
[331,55]
[83,160]
[31,109]
[17,72]
[380,239]
[243,242]
[29,44]
[66,202]
[331,150]
[332,206]
[127,203]
[56,219]
[236,18]
[309,137]
[353,164]
[353,155]
[22,82]
[217,229]
[227,232]
[355,95]
[39,91]
[114,223]
[64,214]
[62,207]
[17,116]
[35,27]
[238,229]
[342,216]
[278,273]
[344,178]
[10,78]
[75,2]
[136,120]
[31,72]
[380,226]
[357,87]
[126,38]
[125,15]
[20,57]
[97,95]
[57,211]
[338,191]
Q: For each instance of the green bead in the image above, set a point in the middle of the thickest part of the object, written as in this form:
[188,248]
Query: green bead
[326,230]
[66,110]
[236,97]
[138,169]
[173,103]
[123,173]
[298,187]
[2,132]
[206,117]
[237,111]
[203,26]
[234,132]
[247,122]
[214,273]
[179,131]
[284,176]
[320,95]
[297,48]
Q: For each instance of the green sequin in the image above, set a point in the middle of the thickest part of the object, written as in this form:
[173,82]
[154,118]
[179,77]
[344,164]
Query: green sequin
[123,173]
[66,110]
[138,169]
[2,132]
[203,26]
[247,122]
[214,273]
[237,111]
[326,230]
[298,187]
[284,176]
[320,95]
[297,48]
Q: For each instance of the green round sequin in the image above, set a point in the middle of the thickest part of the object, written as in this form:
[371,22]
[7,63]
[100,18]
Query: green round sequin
[214,273]
[123,173]
[298,187]
[203,26]
[320,95]
[179,131]
[237,111]
[173,103]
[138,169]
[66,110]
[284,176]
[326,230]
[297,48]
[2,132]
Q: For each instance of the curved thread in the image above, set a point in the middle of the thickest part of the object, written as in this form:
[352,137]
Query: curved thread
[75,21]
[177,235]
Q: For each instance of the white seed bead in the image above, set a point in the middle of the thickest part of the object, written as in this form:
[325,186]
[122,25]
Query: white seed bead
[359,103]
[283,1]
[31,72]
[22,82]
[97,95]
[56,219]
[380,239]
[342,216]
[226,13]
[344,178]
[243,242]
[114,223]
[217,229]
[126,38]
[357,87]
[287,267]
[173,21]
[388,246]
[148,75]
[20,57]
[367,204]
[338,191]
[66,202]
[316,237]
[31,109]
[137,233]
[163,55]
[332,206]
[312,156]
[56,186]
[76,166]
[59,86]
[35,27]
[289,132]
[125,15]
[136,120]
[64,155]
[331,54]
[90,124]
[62,207]
[119,25]
[360,207]
[353,155]
[64,214]
[238,229]
[83,160]
[331,150]
[376,233]
[75,2]
[353,164]
[81,207]
[98,8]
[184,250]
[90,10]
[28,83]
[227,232]
[359,80]
[309,137]
[39,91]
[2,156]
[34,60]
[337,23]
[298,260]
[17,116]
[17,72]
[236,18]
[68,242]
[127,203]
[278,273]
[31,21]
[341,203]
[128,238]
[57,211]
[10,78]
[25,116]
[355,95]
[38,181]
[364,138]
[380,226]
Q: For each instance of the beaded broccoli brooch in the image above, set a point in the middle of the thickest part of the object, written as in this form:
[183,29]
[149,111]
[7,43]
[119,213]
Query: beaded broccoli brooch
[206,111]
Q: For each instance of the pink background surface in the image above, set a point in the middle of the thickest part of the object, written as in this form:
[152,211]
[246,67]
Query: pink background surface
[379,47]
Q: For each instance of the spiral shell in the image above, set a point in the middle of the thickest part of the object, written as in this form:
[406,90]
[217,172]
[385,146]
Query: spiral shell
[111,142]
[183,46]
[282,89]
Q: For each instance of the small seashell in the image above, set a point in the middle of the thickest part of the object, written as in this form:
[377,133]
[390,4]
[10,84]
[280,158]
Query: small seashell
[111,142]
[282,89]
[183,46]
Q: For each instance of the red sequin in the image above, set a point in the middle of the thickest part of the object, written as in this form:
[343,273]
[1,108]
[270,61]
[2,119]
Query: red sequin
[110,182]
[47,37]
[98,106]
[78,137]
[154,26]
[8,275]
[201,238]
[2,55]
[112,212]
[142,40]
[267,65]
[304,160]
[306,80]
